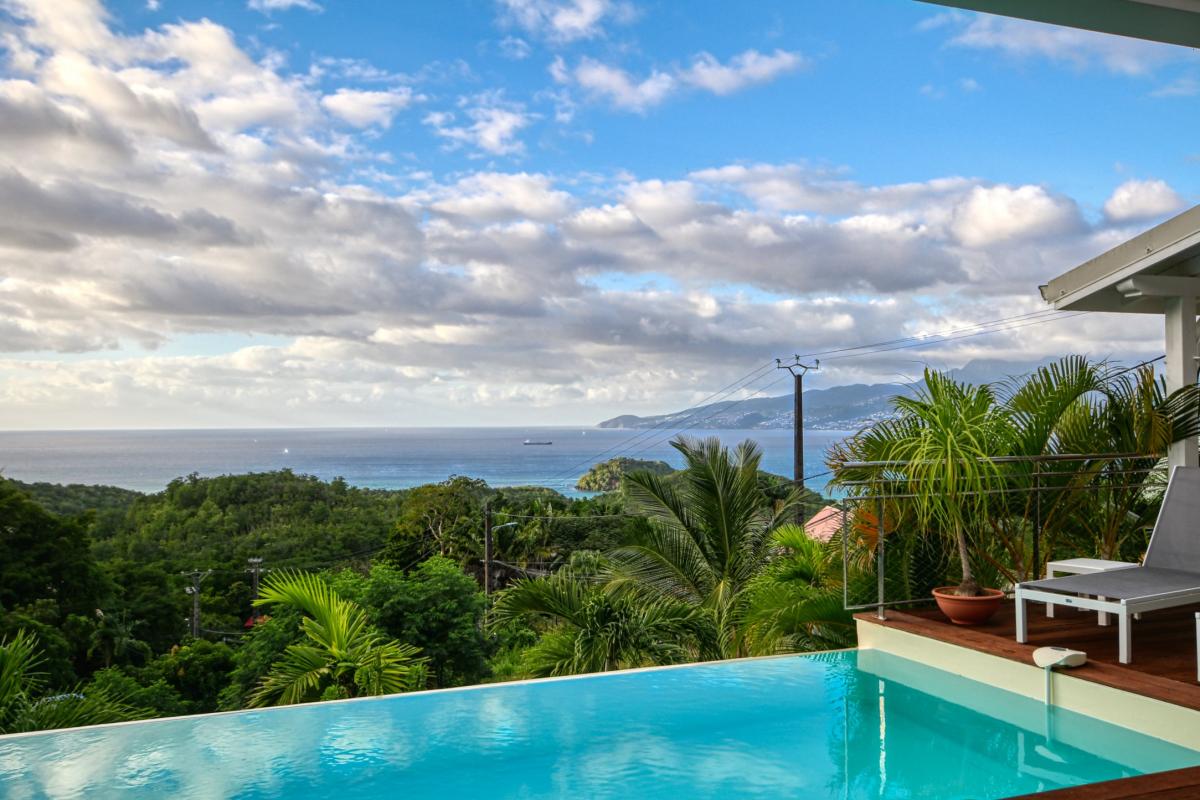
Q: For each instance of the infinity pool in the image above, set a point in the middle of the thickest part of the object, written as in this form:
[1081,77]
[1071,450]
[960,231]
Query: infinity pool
[831,725]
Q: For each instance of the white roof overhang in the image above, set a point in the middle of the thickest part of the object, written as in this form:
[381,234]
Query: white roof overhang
[1138,275]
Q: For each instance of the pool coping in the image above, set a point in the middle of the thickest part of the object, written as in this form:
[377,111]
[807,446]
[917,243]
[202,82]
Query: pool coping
[421,693]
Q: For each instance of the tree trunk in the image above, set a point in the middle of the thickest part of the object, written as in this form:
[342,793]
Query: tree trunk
[968,587]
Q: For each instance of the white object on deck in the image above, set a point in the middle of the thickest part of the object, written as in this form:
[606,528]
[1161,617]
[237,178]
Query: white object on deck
[1083,566]
[1050,657]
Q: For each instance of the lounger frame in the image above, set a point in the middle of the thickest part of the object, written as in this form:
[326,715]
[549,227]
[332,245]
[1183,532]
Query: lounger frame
[1177,516]
[1122,609]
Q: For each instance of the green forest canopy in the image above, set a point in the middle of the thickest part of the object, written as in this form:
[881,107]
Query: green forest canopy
[98,575]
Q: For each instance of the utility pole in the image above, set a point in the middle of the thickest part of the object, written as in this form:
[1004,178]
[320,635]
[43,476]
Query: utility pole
[255,570]
[194,590]
[487,549]
[798,369]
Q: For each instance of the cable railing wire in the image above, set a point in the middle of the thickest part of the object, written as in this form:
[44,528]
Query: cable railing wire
[892,489]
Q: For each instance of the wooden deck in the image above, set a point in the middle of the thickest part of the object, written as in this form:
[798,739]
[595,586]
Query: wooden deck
[1177,784]
[1164,645]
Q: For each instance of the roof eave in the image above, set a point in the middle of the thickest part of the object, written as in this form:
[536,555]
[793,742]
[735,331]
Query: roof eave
[1151,252]
[1167,21]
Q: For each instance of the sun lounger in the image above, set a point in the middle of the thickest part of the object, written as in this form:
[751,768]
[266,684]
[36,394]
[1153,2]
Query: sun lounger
[1168,578]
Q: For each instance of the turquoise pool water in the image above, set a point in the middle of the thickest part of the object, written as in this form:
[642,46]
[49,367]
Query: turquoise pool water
[831,725]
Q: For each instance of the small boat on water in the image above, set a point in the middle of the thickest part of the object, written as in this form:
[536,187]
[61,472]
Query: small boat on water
[532,442]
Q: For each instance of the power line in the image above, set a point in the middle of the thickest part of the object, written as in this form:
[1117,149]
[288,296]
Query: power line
[725,409]
[749,377]
[932,342]
[935,334]
[1002,324]
[1010,323]
[1121,372]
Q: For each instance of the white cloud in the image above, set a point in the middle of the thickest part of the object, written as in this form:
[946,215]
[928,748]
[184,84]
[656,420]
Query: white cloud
[798,187]
[493,125]
[744,69]
[487,197]
[998,213]
[1078,48]
[1141,200]
[267,6]
[363,109]
[558,70]
[622,90]
[1185,86]
[564,21]
[166,187]
[515,47]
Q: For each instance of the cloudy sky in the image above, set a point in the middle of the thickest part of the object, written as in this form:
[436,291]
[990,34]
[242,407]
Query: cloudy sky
[242,213]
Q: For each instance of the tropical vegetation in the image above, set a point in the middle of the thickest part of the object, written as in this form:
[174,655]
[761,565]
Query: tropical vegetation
[25,704]
[342,655]
[720,573]
[997,480]
[607,476]
[383,593]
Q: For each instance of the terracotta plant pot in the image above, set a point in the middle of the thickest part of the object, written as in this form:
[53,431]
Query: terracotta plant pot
[968,610]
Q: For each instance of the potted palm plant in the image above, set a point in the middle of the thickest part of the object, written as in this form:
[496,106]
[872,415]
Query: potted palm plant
[944,456]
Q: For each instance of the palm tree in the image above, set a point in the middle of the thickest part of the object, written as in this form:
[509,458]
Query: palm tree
[343,657]
[943,453]
[710,538]
[592,630]
[114,639]
[1133,418]
[796,604]
[720,574]
[25,707]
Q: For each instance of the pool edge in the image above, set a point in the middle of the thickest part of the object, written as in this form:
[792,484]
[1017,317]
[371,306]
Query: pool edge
[1152,717]
[421,693]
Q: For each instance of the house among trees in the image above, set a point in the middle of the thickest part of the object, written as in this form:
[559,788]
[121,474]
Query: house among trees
[825,523]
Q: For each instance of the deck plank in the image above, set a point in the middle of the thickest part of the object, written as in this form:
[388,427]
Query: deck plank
[1176,784]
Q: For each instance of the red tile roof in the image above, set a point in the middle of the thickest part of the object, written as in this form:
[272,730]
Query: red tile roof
[825,523]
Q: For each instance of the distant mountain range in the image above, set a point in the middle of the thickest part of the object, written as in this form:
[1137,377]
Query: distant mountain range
[837,408]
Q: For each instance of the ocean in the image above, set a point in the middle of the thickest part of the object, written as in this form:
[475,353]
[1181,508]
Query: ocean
[377,458]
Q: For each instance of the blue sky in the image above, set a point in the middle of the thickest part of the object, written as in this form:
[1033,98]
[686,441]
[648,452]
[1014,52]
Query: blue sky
[317,212]
[885,92]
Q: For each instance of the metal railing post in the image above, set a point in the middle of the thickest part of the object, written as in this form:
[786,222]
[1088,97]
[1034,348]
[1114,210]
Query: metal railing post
[880,612]
[845,557]
[1035,567]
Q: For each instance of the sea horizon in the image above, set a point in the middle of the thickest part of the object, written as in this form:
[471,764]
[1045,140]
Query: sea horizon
[371,457]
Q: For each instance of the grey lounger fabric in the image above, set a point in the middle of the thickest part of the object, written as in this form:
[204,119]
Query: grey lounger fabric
[1175,543]
[1121,584]
[1172,559]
